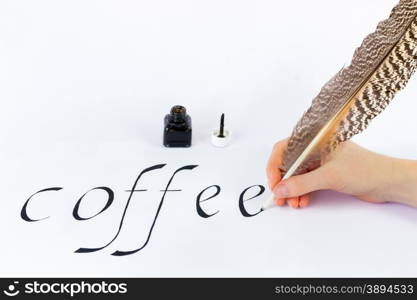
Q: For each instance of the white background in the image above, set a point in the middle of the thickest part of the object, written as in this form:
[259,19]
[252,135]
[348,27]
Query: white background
[84,86]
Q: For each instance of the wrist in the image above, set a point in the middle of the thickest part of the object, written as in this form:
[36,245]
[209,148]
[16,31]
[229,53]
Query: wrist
[402,184]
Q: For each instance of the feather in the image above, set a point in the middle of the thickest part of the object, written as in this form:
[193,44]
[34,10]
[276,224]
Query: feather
[346,104]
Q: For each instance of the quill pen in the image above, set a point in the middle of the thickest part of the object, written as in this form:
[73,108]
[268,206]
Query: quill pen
[345,105]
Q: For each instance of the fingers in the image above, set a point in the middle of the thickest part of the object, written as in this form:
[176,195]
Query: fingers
[303,184]
[295,189]
[275,161]
[298,202]
[304,199]
[280,201]
[293,202]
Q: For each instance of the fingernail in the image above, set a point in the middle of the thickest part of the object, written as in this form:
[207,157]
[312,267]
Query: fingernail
[281,191]
[294,203]
[279,202]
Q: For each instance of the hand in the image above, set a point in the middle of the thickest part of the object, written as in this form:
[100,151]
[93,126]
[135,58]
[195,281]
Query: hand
[352,170]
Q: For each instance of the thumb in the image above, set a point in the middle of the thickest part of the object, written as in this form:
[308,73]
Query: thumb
[302,184]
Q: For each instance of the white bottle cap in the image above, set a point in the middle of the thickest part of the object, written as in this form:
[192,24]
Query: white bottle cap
[218,141]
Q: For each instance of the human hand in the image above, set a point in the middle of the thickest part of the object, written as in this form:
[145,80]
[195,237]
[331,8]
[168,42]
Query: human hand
[351,169]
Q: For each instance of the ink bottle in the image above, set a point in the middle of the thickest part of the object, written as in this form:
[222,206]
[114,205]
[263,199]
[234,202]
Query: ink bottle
[177,128]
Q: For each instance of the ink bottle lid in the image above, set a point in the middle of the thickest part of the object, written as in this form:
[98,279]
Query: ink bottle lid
[220,137]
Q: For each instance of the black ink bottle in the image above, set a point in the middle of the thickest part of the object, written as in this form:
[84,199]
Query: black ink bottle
[177,129]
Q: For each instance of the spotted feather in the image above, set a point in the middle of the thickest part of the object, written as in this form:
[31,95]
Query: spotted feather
[347,103]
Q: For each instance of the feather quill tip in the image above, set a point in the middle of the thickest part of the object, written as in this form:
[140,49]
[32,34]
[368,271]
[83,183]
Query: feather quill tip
[268,203]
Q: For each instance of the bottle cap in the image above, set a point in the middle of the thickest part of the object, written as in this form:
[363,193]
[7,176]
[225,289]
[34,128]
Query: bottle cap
[220,137]
[218,141]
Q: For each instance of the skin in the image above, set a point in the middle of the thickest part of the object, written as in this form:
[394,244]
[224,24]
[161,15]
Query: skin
[351,170]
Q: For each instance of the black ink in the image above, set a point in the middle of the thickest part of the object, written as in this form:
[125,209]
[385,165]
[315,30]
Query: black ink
[123,253]
[241,200]
[221,132]
[24,214]
[110,199]
[200,211]
[88,250]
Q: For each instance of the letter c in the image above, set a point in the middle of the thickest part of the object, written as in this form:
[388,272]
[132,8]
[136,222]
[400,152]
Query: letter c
[23,212]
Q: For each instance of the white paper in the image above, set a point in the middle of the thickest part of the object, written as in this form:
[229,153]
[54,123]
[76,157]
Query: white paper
[84,87]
